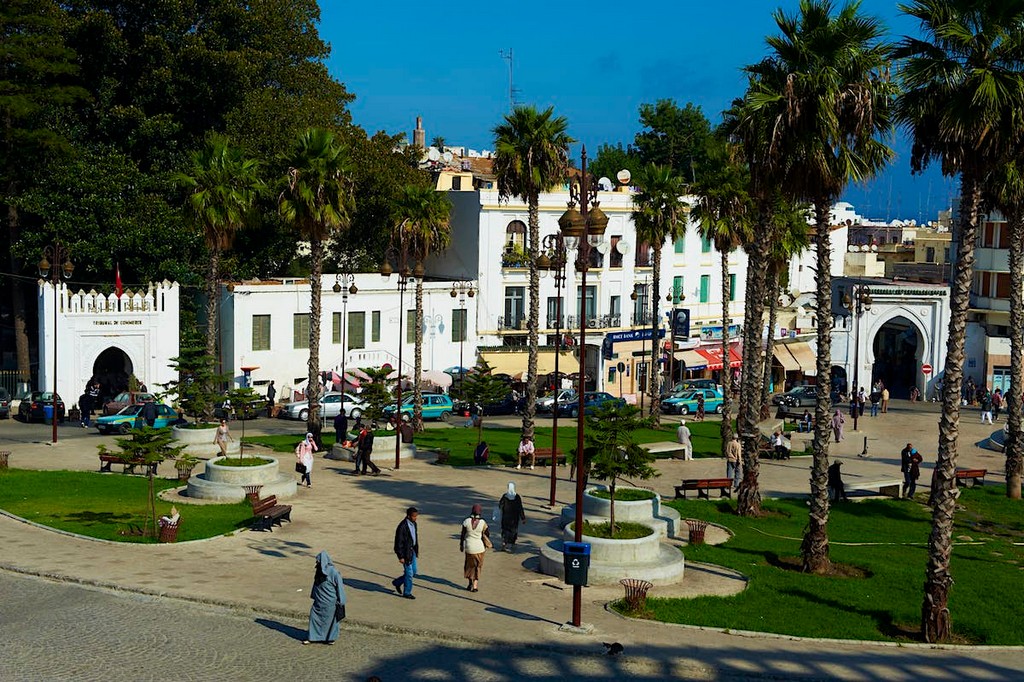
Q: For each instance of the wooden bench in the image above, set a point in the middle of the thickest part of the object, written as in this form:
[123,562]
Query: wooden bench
[704,486]
[128,467]
[793,417]
[890,488]
[267,512]
[971,477]
[544,454]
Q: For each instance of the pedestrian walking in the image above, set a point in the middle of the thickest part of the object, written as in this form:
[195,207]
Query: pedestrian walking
[474,541]
[271,396]
[340,427]
[905,466]
[734,460]
[527,449]
[985,401]
[885,399]
[997,403]
[876,400]
[148,412]
[328,595]
[222,436]
[835,483]
[838,420]
[700,406]
[862,401]
[683,438]
[510,507]
[914,460]
[304,459]
[407,549]
[364,451]
[915,394]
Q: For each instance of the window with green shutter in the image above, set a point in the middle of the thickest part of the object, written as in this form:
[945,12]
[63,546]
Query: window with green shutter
[705,288]
[300,330]
[261,332]
[732,287]
[459,317]
[375,326]
[356,331]
[705,245]
[336,328]
[680,244]
[677,289]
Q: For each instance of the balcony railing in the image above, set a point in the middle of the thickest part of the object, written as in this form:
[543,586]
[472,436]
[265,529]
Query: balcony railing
[595,321]
[642,320]
[514,323]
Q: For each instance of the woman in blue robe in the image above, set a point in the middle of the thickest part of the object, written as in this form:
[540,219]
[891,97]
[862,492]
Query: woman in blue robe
[328,597]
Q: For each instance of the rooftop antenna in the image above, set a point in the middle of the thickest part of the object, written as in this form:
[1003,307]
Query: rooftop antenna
[508,56]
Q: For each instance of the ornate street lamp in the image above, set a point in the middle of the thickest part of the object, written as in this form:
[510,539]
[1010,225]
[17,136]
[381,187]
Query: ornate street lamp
[461,290]
[578,227]
[645,286]
[338,288]
[857,303]
[676,299]
[400,252]
[553,259]
[56,253]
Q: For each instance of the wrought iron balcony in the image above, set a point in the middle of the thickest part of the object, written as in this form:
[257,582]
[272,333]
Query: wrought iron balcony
[513,323]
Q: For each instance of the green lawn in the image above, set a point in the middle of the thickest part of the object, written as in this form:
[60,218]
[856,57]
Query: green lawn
[886,603]
[100,505]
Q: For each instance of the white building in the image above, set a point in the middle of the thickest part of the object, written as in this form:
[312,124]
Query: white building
[107,338]
[489,242]
[265,328]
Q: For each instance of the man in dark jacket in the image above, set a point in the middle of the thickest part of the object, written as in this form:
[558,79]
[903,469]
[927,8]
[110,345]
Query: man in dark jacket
[407,548]
[340,427]
[365,449]
[148,412]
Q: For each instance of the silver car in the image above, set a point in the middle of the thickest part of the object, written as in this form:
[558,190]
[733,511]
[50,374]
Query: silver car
[547,403]
[330,406]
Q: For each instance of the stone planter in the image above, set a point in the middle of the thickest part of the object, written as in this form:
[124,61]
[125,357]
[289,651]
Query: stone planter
[225,483]
[383,451]
[607,550]
[199,442]
[664,520]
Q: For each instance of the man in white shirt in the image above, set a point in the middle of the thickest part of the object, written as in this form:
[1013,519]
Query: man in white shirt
[683,438]
[526,449]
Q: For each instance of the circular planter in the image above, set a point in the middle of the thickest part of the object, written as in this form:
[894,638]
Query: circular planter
[639,511]
[225,483]
[199,442]
[216,472]
[606,550]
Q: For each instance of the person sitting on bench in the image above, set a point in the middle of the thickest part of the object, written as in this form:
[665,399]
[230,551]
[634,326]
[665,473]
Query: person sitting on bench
[481,453]
[805,423]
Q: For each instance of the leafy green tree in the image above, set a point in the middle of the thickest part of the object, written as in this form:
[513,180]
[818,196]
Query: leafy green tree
[377,393]
[673,136]
[316,202]
[531,157]
[659,215]
[609,160]
[610,436]
[221,186]
[963,88]
[425,216]
[481,387]
[193,390]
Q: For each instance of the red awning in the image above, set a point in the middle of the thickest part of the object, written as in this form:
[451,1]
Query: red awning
[713,354]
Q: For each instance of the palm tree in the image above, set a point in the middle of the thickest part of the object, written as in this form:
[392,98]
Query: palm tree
[963,83]
[723,211]
[424,214]
[658,215]
[222,184]
[1007,195]
[316,202]
[531,157]
[825,83]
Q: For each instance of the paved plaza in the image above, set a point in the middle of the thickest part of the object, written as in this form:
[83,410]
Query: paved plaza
[250,577]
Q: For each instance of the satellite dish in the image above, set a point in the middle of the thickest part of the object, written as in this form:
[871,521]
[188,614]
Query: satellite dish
[624,247]
[433,154]
[865,248]
[874,247]
[447,156]
[602,247]
[604,184]
[623,176]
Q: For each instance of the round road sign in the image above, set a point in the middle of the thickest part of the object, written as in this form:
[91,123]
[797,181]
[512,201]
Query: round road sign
[926,369]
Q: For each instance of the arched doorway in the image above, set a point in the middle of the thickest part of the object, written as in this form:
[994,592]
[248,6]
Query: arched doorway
[112,369]
[897,349]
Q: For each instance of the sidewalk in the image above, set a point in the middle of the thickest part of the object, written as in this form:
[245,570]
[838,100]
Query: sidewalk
[354,518]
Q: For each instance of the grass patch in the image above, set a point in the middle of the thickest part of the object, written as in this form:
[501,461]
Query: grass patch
[242,462]
[288,442]
[877,593]
[100,505]
[623,494]
[624,530]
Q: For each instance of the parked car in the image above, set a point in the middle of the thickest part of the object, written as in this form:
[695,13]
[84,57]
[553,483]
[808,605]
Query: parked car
[124,399]
[691,385]
[592,401]
[330,406]
[5,404]
[35,407]
[547,403]
[685,402]
[124,421]
[253,409]
[507,405]
[797,397]
[435,406]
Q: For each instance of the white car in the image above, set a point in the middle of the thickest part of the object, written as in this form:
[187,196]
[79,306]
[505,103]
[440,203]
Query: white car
[547,403]
[330,406]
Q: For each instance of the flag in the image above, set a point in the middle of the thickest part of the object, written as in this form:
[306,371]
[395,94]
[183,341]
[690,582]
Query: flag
[118,287]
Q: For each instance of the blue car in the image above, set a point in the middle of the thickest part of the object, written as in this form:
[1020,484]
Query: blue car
[435,406]
[124,421]
[592,401]
[685,402]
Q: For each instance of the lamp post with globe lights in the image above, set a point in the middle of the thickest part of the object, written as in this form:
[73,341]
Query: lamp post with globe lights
[340,288]
[55,253]
[553,259]
[400,252]
[461,290]
[675,298]
[858,302]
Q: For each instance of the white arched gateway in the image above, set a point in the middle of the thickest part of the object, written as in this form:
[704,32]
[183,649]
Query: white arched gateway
[905,330]
[108,338]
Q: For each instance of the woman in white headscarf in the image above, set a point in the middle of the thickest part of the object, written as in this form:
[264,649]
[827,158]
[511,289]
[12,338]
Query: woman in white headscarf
[512,514]
[304,456]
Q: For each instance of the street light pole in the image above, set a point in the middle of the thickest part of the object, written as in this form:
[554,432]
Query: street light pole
[580,225]
[56,253]
[643,343]
[399,250]
[462,288]
[858,304]
[553,259]
[349,278]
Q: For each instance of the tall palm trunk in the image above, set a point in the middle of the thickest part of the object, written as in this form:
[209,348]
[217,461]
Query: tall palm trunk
[726,427]
[935,619]
[417,390]
[1013,394]
[17,294]
[748,499]
[213,267]
[815,549]
[316,257]
[772,286]
[652,382]
[530,408]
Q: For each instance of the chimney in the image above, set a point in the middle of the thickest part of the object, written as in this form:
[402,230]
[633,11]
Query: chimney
[419,135]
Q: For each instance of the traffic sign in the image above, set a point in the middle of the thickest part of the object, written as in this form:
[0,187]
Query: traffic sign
[926,369]
[621,367]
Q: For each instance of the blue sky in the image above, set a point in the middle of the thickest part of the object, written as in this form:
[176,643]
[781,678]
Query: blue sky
[594,62]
